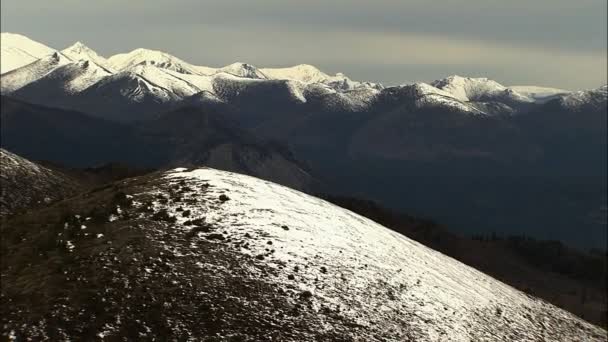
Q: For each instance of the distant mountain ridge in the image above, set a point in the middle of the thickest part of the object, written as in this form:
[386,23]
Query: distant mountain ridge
[169,80]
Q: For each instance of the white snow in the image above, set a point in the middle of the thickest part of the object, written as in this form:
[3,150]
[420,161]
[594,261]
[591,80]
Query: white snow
[466,88]
[578,99]
[428,95]
[134,87]
[378,278]
[153,57]
[74,77]
[242,70]
[17,50]
[477,89]
[80,52]
[18,78]
[70,246]
[303,73]
[166,79]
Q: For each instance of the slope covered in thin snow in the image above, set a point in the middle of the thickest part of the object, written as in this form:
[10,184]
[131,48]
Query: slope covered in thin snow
[26,184]
[165,79]
[17,50]
[68,79]
[34,71]
[585,99]
[213,253]
[132,86]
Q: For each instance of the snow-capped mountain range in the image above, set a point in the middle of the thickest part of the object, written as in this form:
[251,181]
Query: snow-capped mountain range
[83,80]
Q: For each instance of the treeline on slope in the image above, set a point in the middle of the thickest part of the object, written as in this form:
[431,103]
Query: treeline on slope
[572,279]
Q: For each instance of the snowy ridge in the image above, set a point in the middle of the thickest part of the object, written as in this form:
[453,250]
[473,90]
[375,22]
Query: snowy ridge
[25,75]
[242,70]
[477,89]
[153,57]
[79,51]
[166,79]
[579,99]
[381,280]
[17,50]
[72,78]
[304,73]
[428,95]
[133,87]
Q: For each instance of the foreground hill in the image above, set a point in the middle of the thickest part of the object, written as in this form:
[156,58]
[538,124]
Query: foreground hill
[25,184]
[211,254]
[571,279]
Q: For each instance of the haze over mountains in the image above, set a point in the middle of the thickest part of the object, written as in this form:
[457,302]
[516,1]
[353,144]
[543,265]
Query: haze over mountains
[527,157]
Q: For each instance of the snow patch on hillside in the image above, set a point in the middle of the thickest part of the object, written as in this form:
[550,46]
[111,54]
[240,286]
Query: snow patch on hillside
[374,277]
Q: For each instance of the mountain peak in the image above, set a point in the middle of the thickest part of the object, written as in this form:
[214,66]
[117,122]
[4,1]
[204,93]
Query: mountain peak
[80,52]
[153,57]
[243,70]
[302,72]
[477,89]
[77,47]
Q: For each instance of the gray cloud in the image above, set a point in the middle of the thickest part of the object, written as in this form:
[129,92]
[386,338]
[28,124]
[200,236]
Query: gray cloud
[548,42]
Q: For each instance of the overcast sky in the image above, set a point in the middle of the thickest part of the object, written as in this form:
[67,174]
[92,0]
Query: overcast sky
[560,43]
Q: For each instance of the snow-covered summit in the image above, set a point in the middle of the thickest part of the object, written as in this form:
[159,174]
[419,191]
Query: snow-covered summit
[17,50]
[243,70]
[304,73]
[309,74]
[478,89]
[152,57]
[78,51]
